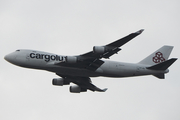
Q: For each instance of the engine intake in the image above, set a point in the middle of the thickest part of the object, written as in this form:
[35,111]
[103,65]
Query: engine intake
[76,89]
[102,49]
[99,49]
[60,81]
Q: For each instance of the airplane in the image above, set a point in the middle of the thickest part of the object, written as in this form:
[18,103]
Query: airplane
[78,69]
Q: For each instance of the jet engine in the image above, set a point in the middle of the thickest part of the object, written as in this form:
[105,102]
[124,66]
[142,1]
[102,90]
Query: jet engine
[99,49]
[71,59]
[76,89]
[60,81]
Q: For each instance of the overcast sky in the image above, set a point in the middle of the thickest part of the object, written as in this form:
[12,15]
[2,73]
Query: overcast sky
[73,27]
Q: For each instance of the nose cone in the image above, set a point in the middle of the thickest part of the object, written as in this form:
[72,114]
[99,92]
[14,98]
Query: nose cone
[10,57]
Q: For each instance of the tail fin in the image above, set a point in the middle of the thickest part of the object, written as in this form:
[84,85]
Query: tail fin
[158,56]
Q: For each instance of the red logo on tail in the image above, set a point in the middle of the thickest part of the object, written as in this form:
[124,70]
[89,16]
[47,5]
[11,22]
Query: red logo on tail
[158,58]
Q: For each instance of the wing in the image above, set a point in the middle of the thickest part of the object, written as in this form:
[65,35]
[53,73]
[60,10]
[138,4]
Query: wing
[84,83]
[113,47]
[91,60]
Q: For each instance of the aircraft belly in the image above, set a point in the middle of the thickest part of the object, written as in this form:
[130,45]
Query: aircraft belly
[73,71]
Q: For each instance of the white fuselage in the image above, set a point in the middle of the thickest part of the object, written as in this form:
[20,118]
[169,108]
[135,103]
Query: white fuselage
[47,61]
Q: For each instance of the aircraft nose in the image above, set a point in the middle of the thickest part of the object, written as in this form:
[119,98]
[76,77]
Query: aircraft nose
[10,57]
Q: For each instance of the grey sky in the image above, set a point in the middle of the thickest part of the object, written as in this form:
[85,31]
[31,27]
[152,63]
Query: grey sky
[72,28]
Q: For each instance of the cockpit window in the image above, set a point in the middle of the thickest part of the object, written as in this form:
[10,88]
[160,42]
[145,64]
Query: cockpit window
[17,50]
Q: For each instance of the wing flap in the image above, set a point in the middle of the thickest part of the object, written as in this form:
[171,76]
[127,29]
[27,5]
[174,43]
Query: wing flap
[109,54]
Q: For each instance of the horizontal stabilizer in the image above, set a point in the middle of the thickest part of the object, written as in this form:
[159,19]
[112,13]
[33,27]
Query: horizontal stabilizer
[160,76]
[163,65]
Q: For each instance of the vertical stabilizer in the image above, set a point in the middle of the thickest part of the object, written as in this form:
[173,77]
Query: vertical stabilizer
[158,56]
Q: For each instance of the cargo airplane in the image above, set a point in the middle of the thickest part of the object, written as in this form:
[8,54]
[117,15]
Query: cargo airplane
[78,69]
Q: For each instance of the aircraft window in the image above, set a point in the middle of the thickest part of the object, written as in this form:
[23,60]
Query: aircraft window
[17,50]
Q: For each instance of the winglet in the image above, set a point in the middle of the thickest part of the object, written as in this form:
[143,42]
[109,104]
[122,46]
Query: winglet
[140,31]
[100,90]
[104,90]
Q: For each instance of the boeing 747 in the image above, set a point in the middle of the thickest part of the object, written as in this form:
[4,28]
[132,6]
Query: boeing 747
[78,69]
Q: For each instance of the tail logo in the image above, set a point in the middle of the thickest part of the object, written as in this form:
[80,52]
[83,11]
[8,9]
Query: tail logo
[158,58]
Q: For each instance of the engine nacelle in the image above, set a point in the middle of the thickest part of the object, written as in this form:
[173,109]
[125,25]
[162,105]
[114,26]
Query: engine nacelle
[71,59]
[99,49]
[60,81]
[76,89]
